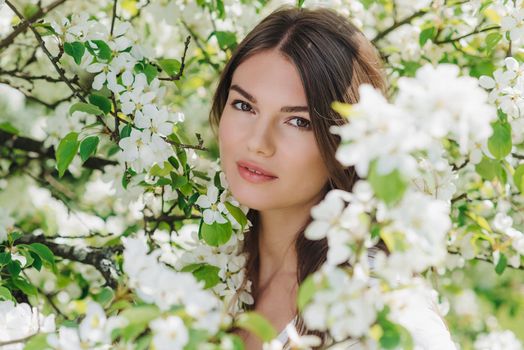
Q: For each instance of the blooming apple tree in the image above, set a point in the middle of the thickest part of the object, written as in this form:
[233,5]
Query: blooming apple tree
[117,226]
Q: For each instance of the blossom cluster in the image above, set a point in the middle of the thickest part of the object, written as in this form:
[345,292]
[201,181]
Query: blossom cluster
[114,59]
[158,284]
[21,321]
[507,89]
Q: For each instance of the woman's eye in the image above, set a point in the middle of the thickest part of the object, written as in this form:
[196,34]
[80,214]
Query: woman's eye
[300,123]
[241,106]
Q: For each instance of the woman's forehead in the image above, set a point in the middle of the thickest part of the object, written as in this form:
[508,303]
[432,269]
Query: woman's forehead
[269,76]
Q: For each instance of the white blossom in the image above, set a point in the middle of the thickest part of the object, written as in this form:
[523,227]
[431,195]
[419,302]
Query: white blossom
[169,333]
[21,321]
[351,318]
[507,87]
[155,283]
[513,22]
[213,209]
[497,340]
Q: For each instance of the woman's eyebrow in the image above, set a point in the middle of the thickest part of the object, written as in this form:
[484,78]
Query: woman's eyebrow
[286,109]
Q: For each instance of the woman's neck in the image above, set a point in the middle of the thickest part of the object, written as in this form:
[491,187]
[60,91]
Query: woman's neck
[276,242]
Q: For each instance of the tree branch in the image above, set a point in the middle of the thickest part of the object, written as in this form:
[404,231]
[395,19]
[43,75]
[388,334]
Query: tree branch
[99,258]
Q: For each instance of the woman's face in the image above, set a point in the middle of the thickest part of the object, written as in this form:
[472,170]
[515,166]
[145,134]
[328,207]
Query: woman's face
[265,126]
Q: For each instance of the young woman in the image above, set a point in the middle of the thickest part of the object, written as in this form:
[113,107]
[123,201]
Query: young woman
[272,109]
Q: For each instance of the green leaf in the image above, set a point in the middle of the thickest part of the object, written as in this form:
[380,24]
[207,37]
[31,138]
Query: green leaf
[186,189]
[170,65]
[30,10]
[5,258]
[24,286]
[5,294]
[66,152]
[157,170]
[37,342]
[481,67]
[101,102]
[258,325]
[518,178]
[144,342]
[499,144]
[178,180]
[426,34]
[393,334]
[208,274]
[501,264]
[197,337]
[492,40]
[138,319]
[488,168]
[237,213]
[13,267]
[182,156]
[216,234]
[88,147]
[8,127]
[37,261]
[191,267]
[221,9]
[127,176]
[103,50]
[151,72]
[306,291]
[76,50]
[43,252]
[126,131]
[388,187]
[85,107]
[172,160]
[226,40]
[300,3]
[105,296]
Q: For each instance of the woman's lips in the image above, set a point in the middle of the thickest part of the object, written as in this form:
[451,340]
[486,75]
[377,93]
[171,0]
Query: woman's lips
[255,167]
[253,177]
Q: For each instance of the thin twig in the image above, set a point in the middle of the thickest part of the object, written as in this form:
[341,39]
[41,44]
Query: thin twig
[114,17]
[182,63]
[450,40]
[197,42]
[395,25]
[54,61]
[22,27]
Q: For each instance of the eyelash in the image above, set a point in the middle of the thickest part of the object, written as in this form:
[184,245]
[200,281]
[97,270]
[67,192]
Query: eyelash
[301,128]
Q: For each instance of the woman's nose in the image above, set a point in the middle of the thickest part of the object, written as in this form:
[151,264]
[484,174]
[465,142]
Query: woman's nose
[261,139]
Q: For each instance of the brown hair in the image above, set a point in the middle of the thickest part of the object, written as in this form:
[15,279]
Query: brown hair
[333,59]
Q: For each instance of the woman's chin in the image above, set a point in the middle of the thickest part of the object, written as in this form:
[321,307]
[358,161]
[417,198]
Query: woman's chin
[250,198]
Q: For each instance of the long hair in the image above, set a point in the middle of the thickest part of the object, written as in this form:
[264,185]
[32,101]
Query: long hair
[333,59]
